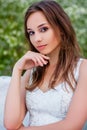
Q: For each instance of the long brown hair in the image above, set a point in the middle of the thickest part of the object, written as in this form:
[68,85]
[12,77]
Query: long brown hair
[69,52]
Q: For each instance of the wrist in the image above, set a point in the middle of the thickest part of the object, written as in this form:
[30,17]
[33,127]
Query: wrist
[17,71]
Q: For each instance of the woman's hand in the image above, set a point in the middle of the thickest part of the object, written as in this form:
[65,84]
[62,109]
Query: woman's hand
[30,60]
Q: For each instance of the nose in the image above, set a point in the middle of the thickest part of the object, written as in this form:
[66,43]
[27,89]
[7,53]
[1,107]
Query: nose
[38,37]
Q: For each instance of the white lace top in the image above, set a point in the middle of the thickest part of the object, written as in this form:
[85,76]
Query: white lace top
[51,106]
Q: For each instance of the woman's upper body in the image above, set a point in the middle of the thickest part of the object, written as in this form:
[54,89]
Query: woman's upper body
[46,107]
[54,56]
[71,112]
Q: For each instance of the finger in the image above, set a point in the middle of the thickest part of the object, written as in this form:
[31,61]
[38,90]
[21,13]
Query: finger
[38,61]
[43,61]
[45,57]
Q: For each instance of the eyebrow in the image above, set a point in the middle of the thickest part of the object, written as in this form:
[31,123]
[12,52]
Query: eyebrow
[38,26]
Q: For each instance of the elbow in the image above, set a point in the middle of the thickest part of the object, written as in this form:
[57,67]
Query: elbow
[9,125]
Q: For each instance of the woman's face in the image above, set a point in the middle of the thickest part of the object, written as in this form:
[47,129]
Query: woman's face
[41,33]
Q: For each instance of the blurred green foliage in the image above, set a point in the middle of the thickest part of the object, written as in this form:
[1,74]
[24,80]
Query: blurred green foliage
[12,40]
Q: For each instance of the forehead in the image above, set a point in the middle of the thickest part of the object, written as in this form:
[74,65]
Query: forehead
[35,19]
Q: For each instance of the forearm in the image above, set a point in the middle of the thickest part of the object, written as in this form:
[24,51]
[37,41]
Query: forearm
[62,125]
[13,99]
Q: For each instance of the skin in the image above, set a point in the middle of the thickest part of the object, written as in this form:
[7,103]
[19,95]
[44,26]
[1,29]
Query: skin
[41,33]
[45,41]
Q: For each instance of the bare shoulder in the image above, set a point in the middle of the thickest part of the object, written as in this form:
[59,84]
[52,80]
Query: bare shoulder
[82,80]
[84,63]
[83,69]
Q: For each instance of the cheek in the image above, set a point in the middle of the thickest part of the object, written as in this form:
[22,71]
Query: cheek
[54,39]
[58,38]
[32,41]
[52,35]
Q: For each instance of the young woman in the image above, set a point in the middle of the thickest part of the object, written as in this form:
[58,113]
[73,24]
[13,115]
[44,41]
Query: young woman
[55,76]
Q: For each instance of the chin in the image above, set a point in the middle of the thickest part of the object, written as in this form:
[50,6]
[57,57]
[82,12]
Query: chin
[44,53]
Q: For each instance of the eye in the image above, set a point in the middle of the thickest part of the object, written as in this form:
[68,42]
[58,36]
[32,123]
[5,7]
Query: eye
[43,29]
[31,33]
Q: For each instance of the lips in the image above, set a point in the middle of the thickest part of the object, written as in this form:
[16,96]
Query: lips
[41,47]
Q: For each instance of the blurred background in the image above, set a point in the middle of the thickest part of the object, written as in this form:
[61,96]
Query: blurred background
[13,43]
[12,40]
